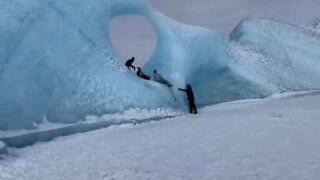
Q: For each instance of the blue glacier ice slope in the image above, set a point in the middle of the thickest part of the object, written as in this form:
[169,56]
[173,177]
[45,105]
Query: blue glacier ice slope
[56,61]
[276,56]
[262,57]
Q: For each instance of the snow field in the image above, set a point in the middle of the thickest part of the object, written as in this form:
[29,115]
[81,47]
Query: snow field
[275,138]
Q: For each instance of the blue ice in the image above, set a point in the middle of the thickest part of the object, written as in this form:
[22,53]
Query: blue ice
[57,62]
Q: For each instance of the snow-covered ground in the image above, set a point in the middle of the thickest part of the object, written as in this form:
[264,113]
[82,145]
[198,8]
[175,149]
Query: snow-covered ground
[275,138]
[48,131]
[131,114]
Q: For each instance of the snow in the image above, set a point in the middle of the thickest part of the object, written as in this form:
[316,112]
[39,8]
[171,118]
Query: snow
[45,126]
[274,138]
[138,114]
[48,131]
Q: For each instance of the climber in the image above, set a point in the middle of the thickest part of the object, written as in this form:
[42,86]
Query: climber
[142,75]
[192,105]
[129,63]
[157,77]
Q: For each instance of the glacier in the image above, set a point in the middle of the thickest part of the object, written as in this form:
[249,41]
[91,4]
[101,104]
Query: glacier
[278,56]
[57,62]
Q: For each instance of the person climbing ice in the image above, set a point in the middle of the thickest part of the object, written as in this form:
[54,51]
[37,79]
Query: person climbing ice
[142,75]
[129,63]
[158,78]
[192,105]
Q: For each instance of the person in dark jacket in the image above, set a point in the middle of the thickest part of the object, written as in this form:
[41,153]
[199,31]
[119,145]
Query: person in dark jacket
[129,63]
[142,75]
[192,105]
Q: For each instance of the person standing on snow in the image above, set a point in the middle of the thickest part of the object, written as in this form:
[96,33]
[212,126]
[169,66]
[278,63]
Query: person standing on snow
[192,105]
[157,77]
[142,75]
[129,63]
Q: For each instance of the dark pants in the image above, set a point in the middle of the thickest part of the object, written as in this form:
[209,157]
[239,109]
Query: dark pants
[192,107]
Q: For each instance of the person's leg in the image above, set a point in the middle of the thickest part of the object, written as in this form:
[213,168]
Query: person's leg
[194,108]
[167,83]
[190,108]
[146,77]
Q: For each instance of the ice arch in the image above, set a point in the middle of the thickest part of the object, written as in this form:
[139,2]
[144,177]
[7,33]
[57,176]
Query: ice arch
[56,60]
[133,36]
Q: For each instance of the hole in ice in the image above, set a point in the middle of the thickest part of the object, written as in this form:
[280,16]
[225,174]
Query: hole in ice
[133,36]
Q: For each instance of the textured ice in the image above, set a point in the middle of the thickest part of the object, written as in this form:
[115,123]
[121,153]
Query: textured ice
[57,62]
[189,54]
[275,55]
[263,57]
[3,148]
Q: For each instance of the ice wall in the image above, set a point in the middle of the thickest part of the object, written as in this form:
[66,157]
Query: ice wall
[200,57]
[56,61]
[276,55]
[263,57]
[189,54]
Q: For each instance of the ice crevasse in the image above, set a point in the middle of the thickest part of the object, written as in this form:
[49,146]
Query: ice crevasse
[56,61]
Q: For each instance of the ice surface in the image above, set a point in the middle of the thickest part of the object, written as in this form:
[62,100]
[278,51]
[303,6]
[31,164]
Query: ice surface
[189,54]
[57,62]
[3,148]
[263,57]
[276,56]
[315,25]
[48,131]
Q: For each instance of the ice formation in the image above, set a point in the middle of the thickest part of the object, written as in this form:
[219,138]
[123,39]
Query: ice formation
[3,148]
[263,57]
[57,63]
[276,56]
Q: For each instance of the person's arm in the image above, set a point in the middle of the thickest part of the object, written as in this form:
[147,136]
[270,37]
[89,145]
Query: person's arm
[182,90]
